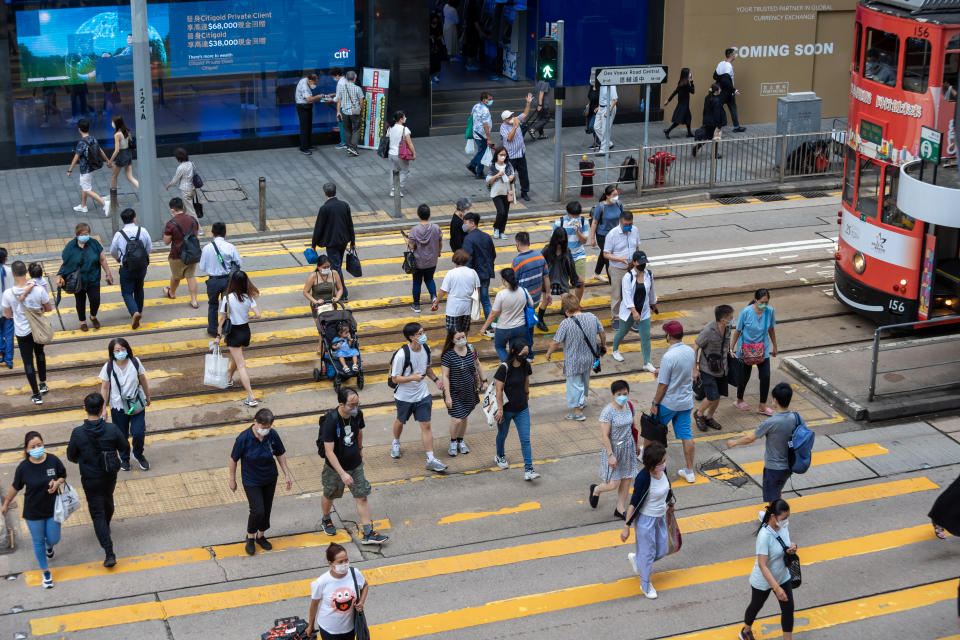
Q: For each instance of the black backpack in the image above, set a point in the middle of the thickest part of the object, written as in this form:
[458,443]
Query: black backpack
[94,158]
[322,450]
[107,460]
[629,171]
[406,363]
[190,249]
[135,257]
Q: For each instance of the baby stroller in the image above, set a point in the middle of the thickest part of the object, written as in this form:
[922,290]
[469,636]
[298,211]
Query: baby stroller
[328,324]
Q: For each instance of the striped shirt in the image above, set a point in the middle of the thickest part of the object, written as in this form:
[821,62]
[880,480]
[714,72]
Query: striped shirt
[530,267]
[303,91]
[516,148]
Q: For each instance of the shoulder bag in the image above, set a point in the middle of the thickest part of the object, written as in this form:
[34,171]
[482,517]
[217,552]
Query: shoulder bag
[792,561]
[73,282]
[134,405]
[404,151]
[360,628]
[383,149]
[353,265]
[489,404]
[106,459]
[409,264]
[755,352]
[595,350]
[40,326]
[530,311]
[227,325]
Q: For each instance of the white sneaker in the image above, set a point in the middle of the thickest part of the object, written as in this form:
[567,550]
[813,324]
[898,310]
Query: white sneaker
[530,474]
[617,356]
[80,209]
[463,447]
[453,450]
[603,277]
[640,455]
[489,333]
[688,475]
[391,193]
[649,367]
[436,465]
[395,450]
[651,593]
[501,462]
[632,557]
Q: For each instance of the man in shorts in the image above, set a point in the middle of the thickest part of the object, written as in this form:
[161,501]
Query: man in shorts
[578,230]
[710,351]
[341,435]
[81,156]
[674,398]
[173,233]
[409,371]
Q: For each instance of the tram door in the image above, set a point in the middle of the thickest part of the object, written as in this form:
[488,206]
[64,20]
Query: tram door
[946,272]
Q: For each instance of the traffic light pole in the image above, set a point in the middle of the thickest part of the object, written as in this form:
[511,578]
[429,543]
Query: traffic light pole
[149,213]
[559,96]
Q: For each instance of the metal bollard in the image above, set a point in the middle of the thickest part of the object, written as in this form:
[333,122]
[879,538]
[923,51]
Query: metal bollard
[263,204]
[397,213]
[114,208]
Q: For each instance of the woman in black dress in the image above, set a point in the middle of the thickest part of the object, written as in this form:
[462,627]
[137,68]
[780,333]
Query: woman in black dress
[461,371]
[681,114]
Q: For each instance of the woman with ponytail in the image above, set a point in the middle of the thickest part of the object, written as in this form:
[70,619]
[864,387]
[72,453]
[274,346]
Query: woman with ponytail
[770,572]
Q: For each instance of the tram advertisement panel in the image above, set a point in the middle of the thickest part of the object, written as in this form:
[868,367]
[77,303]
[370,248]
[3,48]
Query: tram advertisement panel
[926,280]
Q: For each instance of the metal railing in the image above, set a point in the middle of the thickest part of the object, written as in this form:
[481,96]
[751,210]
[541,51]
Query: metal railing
[712,163]
[876,355]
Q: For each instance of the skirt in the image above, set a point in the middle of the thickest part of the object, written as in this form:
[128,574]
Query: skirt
[124,158]
[626,452]
[239,336]
[681,114]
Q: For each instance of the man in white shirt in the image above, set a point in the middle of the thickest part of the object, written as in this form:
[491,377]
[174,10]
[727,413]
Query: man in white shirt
[337,74]
[350,110]
[132,275]
[618,249]
[6,325]
[305,99]
[728,92]
[409,370]
[218,260]
[607,105]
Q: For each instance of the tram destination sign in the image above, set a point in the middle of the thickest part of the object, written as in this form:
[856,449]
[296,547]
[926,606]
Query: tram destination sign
[871,132]
[634,74]
[930,140]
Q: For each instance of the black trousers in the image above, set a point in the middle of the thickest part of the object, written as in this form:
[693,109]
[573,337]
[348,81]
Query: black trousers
[540,120]
[91,293]
[351,129]
[305,116]
[757,599]
[28,351]
[216,285]
[601,261]
[260,499]
[732,106]
[743,377]
[503,210]
[99,495]
[520,166]
[335,254]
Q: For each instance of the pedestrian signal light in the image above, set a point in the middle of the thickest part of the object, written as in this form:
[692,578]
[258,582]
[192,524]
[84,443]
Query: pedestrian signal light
[547,59]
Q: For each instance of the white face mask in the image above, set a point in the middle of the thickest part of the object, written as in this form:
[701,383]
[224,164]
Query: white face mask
[324,272]
[501,160]
[783,523]
[262,432]
[614,198]
[462,342]
[341,568]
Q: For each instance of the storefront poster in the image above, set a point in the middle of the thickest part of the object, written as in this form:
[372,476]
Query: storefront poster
[375,85]
[926,279]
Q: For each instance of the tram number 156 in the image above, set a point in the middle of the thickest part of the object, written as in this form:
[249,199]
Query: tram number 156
[896,306]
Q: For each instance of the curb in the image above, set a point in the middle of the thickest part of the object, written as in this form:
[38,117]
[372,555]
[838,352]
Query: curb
[834,397]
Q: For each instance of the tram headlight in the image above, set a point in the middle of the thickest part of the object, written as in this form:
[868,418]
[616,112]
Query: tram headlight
[859,262]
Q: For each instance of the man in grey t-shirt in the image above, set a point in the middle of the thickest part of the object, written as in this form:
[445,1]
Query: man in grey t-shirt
[777,429]
[541,116]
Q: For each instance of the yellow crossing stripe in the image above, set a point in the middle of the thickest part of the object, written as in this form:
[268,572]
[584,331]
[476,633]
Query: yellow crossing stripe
[188,605]
[829,457]
[477,515]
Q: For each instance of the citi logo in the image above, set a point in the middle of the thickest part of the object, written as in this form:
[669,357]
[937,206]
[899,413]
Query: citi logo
[342,54]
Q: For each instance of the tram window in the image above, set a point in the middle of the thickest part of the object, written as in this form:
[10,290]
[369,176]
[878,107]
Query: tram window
[890,212]
[858,46]
[849,176]
[868,189]
[883,53]
[951,65]
[916,65]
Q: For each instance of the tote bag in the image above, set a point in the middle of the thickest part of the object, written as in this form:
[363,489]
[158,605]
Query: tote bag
[39,325]
[215,369]
[476,309]
[66,503]
[674,537]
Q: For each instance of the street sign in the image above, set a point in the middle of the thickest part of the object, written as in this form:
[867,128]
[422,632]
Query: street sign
[930,144]
[635,74]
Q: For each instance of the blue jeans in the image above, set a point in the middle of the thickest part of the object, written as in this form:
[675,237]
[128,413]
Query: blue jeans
[578,387]
[45,533]
[135,425]
[421,276]
[481,143]
[485,296]
[503,337]
[335,254]
[343,135]
[522,420]
[6,339]
[131,288]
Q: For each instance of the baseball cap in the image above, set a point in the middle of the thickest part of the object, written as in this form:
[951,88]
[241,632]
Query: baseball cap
[673,329]
[463,203]
[506,114]
[639,257]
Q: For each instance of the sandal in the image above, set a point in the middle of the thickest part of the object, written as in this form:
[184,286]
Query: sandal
[195,305]
[941,533]
[743,406]
[166,293]
[765,412]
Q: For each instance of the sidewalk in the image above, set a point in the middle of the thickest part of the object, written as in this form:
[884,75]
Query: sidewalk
[40,218]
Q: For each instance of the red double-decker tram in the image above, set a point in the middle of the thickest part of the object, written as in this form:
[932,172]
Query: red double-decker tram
[904,76]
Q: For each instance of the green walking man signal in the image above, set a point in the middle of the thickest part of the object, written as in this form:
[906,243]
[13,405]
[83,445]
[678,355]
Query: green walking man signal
[547,59]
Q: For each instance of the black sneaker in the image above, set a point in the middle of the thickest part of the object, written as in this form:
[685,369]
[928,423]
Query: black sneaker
[543,326]
[124,465]
[328,527]
[250,547]
[415,307]
[37,399]
[49,552]
[739,129]
[264,543]
[109,560]
[594,498]
[43,387]
[373,538]
[142,461]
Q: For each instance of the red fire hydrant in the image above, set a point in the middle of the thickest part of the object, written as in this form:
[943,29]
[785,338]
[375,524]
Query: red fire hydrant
[586,174]
[660,161]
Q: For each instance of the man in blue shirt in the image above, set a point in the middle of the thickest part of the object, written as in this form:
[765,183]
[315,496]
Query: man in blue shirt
[482,123]
[482,256]
[674,398]
[533,274]
[577,229]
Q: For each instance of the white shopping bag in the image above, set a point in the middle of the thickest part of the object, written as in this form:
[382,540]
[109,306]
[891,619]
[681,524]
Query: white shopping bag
[471,147]
[487,159]
[476,309]
[67,502]
[215,369]
[489,403]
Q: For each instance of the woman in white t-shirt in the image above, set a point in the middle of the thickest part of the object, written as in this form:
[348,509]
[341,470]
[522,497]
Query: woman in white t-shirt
[459,285]
[35,298]
[398,133]
[239,303]
[652,499]
[508,314]
[333,597]
[124,384]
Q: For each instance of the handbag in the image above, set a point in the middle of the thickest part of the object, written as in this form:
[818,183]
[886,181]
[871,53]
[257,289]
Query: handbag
[197,180]
[360,629]
[215,369]
[409,264]
[530,312]
[755,352]
[310,255]
[512,193]
[489,404]
[476,309]
[470,147]
[197,205]
[73,282]
[40,326]
[404,151]
[66,502]
[354,267]
[651,429]
[674,537]
[383,149]
[792,562]
[227,325]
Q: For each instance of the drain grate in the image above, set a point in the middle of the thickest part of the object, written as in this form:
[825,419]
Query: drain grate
[731,200]
[814,194]
[770,197]
[228,190]
[724,470]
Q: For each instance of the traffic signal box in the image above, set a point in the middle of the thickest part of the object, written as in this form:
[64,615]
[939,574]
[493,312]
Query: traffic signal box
[547,60]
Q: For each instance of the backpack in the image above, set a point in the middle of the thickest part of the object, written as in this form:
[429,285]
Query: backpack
[322,450]
[190,249]
[800,446]
[94,159]
[107,460]
[406,363]
[628,173]
[135,257]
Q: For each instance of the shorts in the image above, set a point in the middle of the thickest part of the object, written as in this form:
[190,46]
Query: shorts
[773,481]
[179,271]
[239,336]
[681,421]
[333,484]
[580,266]
[458,323]
[714,387]
[86,181]
[420,410]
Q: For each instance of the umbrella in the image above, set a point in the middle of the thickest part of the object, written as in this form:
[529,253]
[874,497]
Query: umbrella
[56,303]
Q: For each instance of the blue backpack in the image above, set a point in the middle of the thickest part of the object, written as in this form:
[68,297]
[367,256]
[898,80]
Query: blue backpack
[800,447]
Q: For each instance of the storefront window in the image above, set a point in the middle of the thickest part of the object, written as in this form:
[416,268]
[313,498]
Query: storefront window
[849,176]
[868,189]
[951,65]
[857,47]
[916,65]
[891,212]
[883,53]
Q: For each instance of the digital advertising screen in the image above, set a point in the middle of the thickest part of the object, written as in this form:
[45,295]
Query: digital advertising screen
[186,39]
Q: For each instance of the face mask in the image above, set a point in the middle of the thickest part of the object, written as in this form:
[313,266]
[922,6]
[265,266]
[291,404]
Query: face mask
[627,228]
[262,432]
[37,453]
[490,103]
[83,239]
[113,126]
[614,198]
[354,411]
[641,267]
[466,227]
[621,400]
[120,355]
[312,86]
[502,160]
[660,467]
[783,523]
[761,305]
[422,339]
[462,342]
[341,568]
[324,272]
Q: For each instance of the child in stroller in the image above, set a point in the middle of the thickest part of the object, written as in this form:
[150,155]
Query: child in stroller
[342,349]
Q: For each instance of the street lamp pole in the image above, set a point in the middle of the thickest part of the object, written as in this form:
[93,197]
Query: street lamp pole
[149,211]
